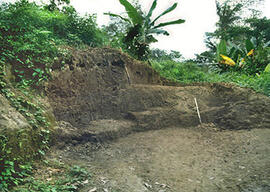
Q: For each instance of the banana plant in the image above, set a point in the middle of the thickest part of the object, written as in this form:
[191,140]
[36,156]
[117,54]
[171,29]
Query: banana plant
[143,28]
[250,57]
[231,54]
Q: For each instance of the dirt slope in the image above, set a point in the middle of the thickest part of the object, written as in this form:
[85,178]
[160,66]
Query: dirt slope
[104,95]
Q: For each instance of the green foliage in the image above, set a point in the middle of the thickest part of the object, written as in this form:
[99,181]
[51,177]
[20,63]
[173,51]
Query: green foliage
[13,173]
[267,68]
[181,72]
[259,83]
[65,179]
[250,57]
[31,37]
[54,4]
[16,156]
[259,28]
[189,72]
[140,33]
[132,12]
[228,16]
[161,55]
[28,47]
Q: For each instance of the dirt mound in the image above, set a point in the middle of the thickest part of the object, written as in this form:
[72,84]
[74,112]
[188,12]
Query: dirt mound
[103,84]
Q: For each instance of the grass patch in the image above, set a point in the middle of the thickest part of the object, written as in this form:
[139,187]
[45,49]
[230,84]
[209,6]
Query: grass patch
[189,72]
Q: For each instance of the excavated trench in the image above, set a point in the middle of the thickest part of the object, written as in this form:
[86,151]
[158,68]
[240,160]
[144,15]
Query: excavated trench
[142,123]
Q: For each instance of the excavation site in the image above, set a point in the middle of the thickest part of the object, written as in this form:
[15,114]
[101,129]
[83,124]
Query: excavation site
[136,131]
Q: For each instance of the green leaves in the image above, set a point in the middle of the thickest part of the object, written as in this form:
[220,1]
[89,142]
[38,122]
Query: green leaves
[165,12]
[249,45]
[221,49]
[267,68]
[116,15]
[158,31]
[154,5]
[140,34]
[179,21]
[132,12]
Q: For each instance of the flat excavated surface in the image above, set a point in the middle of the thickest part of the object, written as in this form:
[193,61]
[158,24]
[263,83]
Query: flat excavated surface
[178,159]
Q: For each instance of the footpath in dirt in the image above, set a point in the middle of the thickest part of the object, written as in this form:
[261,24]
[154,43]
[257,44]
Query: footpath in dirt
[136,131]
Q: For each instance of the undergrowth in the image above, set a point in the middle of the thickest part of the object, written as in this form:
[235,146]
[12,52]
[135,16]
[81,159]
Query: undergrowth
[54,176]
[32,39]
[188,72]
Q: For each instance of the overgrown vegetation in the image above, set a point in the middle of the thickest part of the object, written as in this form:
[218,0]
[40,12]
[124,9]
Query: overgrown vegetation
[240,43]
[55,176]
[32,38]
[190,72]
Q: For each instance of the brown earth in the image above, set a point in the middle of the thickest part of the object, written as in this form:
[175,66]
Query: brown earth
[139,132]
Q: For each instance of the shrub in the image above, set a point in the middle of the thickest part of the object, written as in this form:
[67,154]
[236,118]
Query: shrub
[186,72]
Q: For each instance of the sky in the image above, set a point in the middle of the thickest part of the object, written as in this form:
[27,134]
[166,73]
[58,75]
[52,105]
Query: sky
[187,38]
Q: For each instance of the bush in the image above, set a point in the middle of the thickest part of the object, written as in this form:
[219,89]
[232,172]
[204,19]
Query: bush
[182,72]
[30,37]
[190,72]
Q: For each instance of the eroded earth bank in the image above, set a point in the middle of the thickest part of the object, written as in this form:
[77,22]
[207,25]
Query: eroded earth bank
[136,131]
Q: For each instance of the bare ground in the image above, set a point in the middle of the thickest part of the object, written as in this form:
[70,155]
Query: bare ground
[177,159]
[136,133]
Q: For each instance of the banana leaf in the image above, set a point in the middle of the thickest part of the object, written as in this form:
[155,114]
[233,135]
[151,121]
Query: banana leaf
[165,12]
[221,49]
[151,39]
[154,5]
[232,53]
[115,15]
[249,45]
[158,31]
[254,41]
[179,21]
[132,12]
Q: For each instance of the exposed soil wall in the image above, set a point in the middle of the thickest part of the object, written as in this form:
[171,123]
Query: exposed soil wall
[100,84]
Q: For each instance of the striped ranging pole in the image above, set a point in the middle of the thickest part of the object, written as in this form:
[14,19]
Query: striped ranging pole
[198,112]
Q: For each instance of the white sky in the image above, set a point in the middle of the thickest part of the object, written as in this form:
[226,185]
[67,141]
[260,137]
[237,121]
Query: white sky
[187,38]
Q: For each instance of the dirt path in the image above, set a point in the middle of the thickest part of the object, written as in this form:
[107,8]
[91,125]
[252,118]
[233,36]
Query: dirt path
[178,159]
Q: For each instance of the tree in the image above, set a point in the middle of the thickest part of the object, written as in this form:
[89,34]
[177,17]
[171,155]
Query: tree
[228,16]
[259,28]
[54,4]
[235,26]
[141,30]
